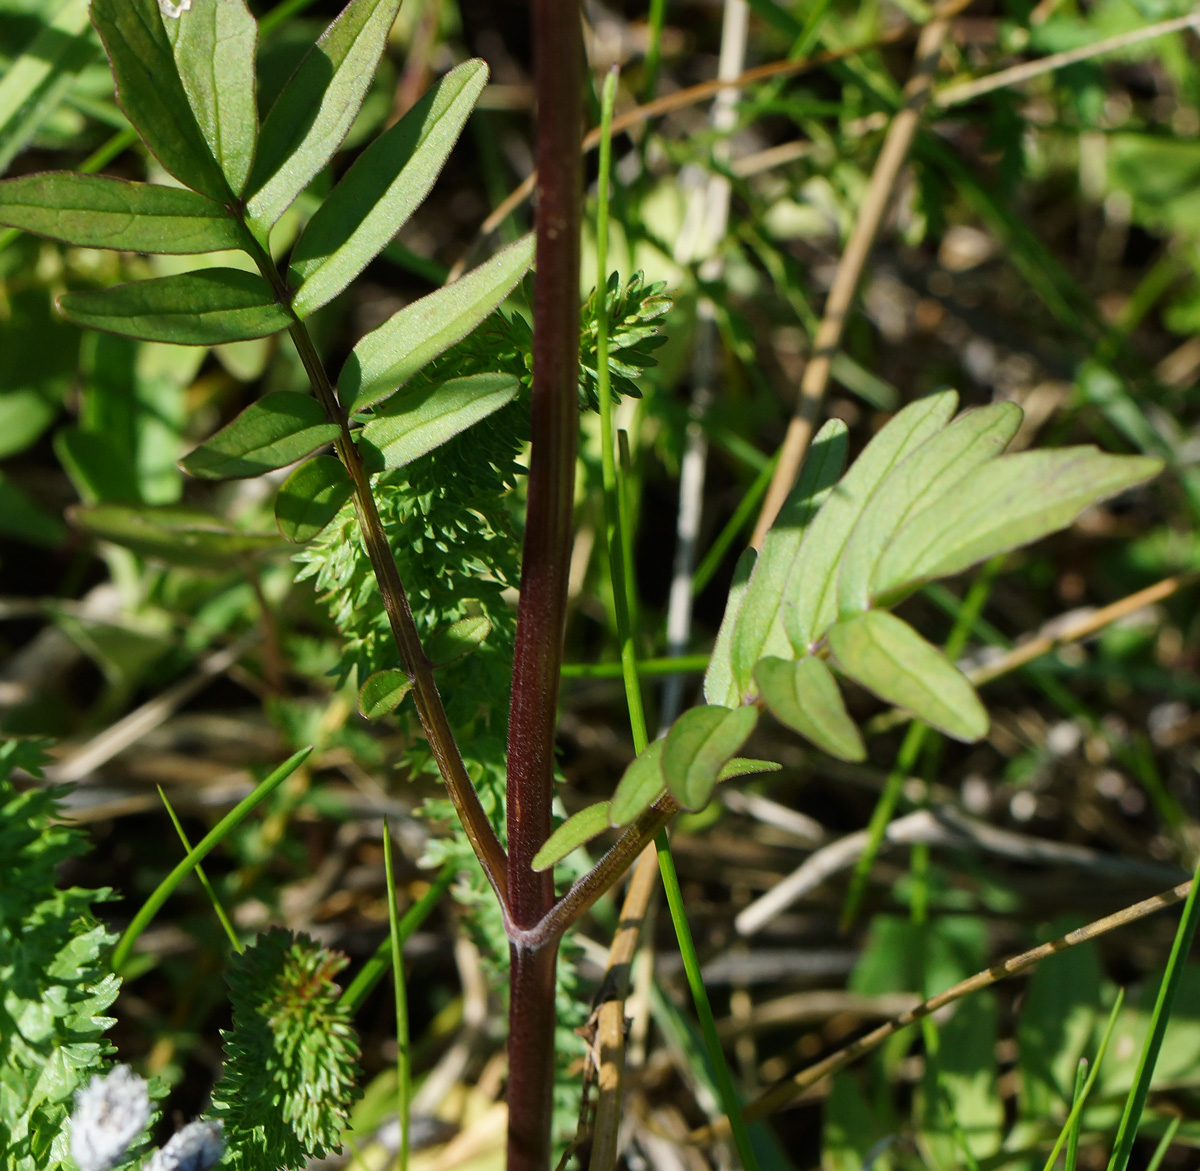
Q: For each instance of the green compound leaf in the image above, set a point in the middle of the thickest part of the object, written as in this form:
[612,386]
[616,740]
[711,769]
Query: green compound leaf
[804,695]
[389,356]
[458,640]
[379,192]
[891,659]
[811,591]
[642,784]
[152,95]
[171,533]
[574,832]
[760,625]
[416,423]
[313,114]
[932,471]
[720,687]
[215,44]
[1006,503]
[94,211]
[275,431]
[311,497]
[204,308]
[383,693]
[700,743]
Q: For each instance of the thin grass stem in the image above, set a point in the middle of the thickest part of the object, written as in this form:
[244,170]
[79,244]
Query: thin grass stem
[403,1055]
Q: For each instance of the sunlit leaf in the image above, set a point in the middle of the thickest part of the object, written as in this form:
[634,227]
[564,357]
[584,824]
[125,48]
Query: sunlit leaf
[202,308]
[275,431]
[804,695]
[720,687]
[458,639]
[746,766]
[311,497]
[700,743]
[639,787]
[573,832]
[891,659]
[390,355]
[383,187]
[383,693]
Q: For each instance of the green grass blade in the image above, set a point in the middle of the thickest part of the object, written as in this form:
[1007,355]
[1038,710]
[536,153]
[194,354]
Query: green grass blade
[1164,1144]
[403,1062]
[1073,1126]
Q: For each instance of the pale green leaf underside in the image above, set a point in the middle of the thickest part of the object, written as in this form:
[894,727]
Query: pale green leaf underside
[418,422]
[698,745]
[458,639]
[275,431]
[891,659]
[388,356]
[639,787]
[383,187]
[94,211]
[811,591]
[215,44]
[203,308]
[574,832]
[745,766]
[311,497]
[313,114]
[719,685]
[383,693]
[804,695]
[760,626]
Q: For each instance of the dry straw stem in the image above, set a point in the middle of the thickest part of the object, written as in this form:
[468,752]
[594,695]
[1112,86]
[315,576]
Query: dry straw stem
[784,1093]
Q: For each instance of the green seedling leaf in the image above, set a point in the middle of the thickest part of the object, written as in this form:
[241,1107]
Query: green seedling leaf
[313,114]
[745,766]
[275,431]
[457,640]
[311,497]
[202,308]
[172,533]
[383,693]
[932,472]
[811,589]
[94,211]
[1002,505]
[760,626]
[379,192]
[891,659]
[389,356]
[416,423]
[151,94]
[215,43]
[574,832]
[642,785]
[719,684]
[700,743]
[97,467]
[804,695]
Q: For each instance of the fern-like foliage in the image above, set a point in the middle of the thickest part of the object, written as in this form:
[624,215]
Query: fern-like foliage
[54,985]
[291,1058]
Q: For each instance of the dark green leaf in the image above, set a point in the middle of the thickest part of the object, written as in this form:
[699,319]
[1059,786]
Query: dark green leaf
[390,355]
[172,533]
[642,785]
[700,743]
[311,497]
[215,43]
[760,626]
[97,466]
[1002,505]
[745,766]
[24,520]
[719,684]
[383,187]
[202,308]
[457,640]
[417,422]
[573,832]
[275,431]
[151,94]
[811,591]
[804,695]
[94,211]
[314,112]
[383,693]
[891,659]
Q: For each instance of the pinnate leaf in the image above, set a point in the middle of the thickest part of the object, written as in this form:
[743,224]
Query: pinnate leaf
[640,787]
[417,422]
[383,693]
[311,497]
[313,114]
[574,832]
[389,356]
[700,743]
[804,695]
[888,657]
[720,687]
[382,188]
[95,211]
[275,431]
[203,308]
